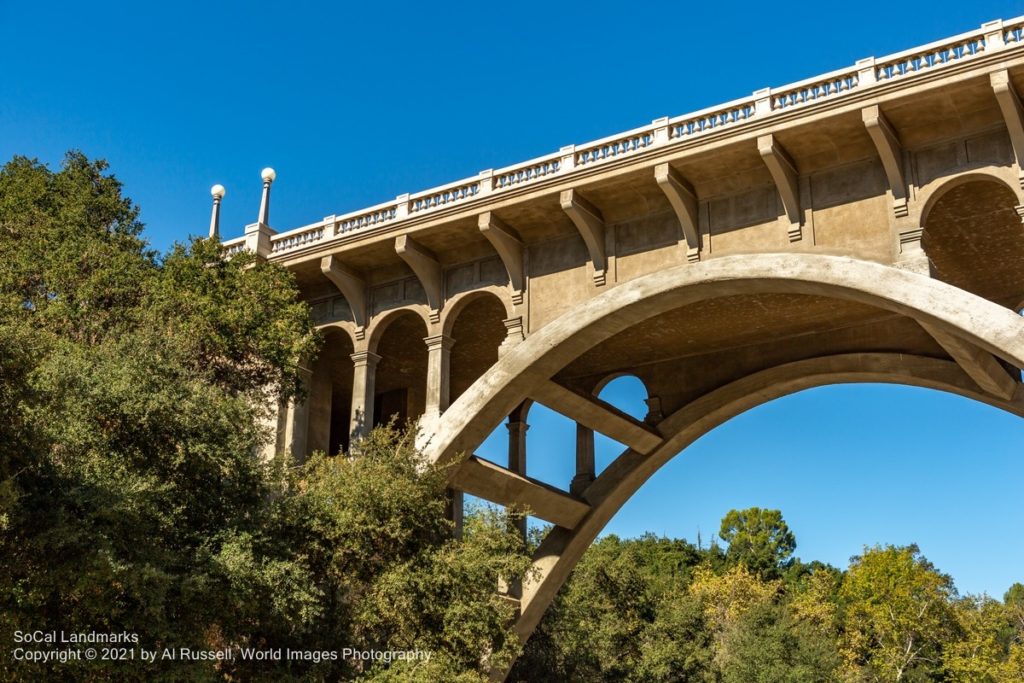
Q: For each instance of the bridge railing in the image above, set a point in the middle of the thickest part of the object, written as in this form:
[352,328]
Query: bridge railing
[662,132]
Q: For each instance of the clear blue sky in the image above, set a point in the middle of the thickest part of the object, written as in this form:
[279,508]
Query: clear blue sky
[355,104]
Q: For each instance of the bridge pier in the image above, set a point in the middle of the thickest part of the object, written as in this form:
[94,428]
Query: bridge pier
[363,382]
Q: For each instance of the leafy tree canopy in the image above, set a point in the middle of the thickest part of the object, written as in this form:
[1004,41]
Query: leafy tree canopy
[758,539]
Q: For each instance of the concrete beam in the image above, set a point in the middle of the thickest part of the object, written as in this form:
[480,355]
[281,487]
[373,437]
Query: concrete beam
[598,415]
[890,151]
[351,286]
[786,178]
[428,270]
[684,202]
[590,223]
[509,246]
[1013,115]
[981,365]
[499,485]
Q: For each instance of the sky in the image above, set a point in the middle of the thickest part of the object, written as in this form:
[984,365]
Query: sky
[356,103]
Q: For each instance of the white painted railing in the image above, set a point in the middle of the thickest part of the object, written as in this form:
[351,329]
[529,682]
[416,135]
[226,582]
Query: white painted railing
[366,218]
[763,103]
[940,53]
[232,247]
[614,146]
[814,89]
[713,118]
[527,172]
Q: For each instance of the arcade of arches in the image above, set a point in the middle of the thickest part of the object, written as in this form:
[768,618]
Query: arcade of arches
[820,252]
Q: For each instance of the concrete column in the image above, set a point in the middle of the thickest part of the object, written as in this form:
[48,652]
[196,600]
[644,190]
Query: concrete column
[517,454]
[453,511]
[516,463]
[296,424]
[439,350]
[654,412]
[584,460]
[365,368]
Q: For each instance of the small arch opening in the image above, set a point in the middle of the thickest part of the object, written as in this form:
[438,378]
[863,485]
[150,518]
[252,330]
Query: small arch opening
[975,240]
[400,387]
[478,332]
[330,395]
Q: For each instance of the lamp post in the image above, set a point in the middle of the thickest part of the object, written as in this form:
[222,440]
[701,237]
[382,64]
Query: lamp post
[218,193]
[268,175]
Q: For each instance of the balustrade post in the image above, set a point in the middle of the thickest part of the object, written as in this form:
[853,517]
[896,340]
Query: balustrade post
[993,35]
[486,181]
[257,239]
[762,102]
[866,73]
[568,160]
[660,130]
[402,206]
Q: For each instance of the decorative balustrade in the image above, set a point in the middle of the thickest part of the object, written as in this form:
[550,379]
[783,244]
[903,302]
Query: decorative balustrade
[294,239]
[711,119]
[367,218]
[522,174]
[814,90]
[991,36]
[445,196]
[616,146]
[234,246]
[930,56]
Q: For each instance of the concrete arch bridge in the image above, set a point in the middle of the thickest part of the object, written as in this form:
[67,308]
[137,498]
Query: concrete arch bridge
[859,226]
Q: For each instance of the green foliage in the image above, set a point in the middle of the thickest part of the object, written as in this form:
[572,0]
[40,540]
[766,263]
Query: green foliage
[133,390]
[768,644]
[132,410]
[898,614]
[758,539]
[661,610]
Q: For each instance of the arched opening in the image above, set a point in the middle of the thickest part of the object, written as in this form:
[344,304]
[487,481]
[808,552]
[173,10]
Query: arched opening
[401,377]
[950,488]
[330,395]
[975,240]
[478,332]
[898,294]
[629,394]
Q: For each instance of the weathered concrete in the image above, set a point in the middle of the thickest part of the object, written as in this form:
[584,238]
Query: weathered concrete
[859,226]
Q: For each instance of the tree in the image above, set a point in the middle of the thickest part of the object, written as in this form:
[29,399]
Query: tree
[130,423]
[132,407]
[758,539]
[982,653]
[768,645]
[897,614]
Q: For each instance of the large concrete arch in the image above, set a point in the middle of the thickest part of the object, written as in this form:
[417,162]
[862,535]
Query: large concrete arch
[943,307]
[934,304]
[562,548]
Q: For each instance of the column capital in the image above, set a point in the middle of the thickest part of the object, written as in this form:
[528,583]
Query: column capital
[516,427]
[439,341]
[365,359]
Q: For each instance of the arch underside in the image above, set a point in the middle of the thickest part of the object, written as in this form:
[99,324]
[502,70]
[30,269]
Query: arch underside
[786,322]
